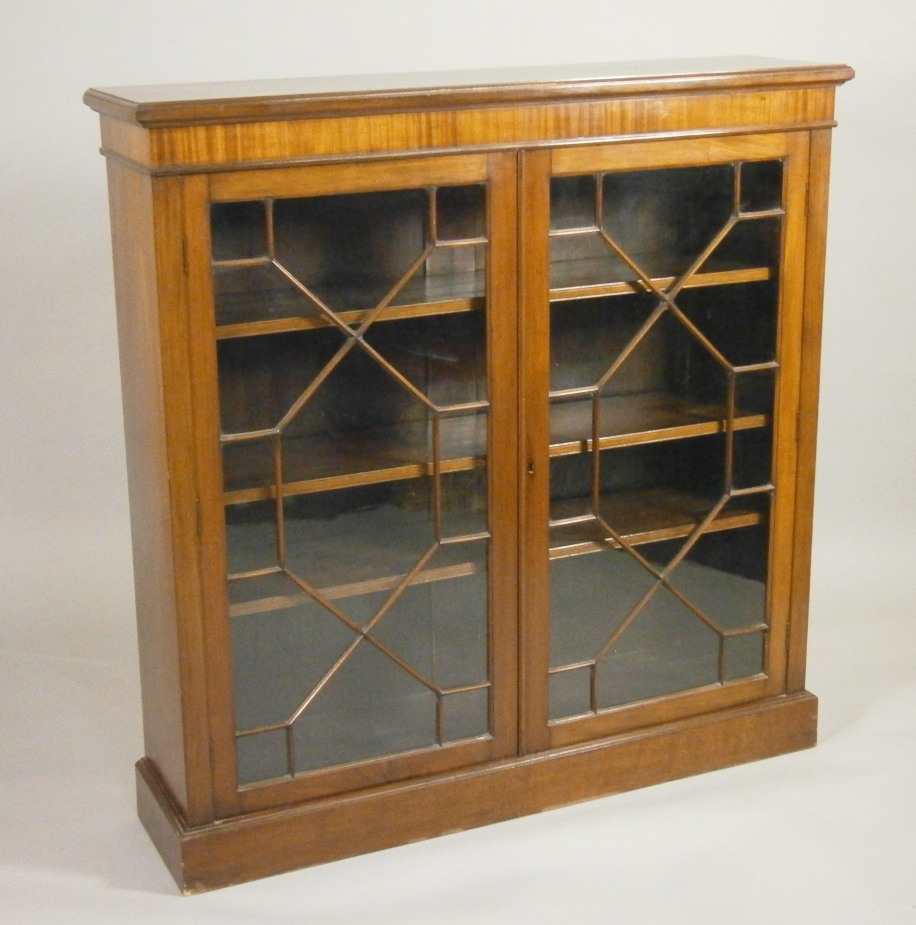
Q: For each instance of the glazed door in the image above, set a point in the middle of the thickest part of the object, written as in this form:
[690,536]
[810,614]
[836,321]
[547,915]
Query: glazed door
[662,330]
[365,455]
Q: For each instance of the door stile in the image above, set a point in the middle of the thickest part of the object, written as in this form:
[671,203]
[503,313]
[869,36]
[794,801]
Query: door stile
[534,460]
[210,506]
[504,386]
[498,171]
[539,731]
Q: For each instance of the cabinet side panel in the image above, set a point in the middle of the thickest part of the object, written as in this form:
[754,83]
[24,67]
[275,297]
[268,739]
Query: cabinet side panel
[815,252]
[785,453]
[147,468]
[180,217]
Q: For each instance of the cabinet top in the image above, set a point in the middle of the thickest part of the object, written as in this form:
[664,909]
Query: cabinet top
[309,97]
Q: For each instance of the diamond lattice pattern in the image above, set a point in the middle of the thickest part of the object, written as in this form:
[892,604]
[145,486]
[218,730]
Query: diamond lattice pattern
[357,565]
[671,597]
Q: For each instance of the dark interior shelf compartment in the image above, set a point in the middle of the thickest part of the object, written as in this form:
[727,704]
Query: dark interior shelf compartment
[628,420]
[341,592]
[321,464]
[352,544]
[316,464]
[645,516]
[272,311]
[576,279]
[638,516]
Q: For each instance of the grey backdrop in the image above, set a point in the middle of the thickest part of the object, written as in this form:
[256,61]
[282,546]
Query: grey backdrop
[825,836]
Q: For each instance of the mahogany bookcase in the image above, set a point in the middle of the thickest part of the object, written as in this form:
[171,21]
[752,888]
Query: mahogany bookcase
[470,423]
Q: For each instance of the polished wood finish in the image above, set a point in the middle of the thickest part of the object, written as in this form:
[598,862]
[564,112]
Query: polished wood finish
[213,126]
[139,338]
[321,96]
[228,146]
[261,844]
[175,152]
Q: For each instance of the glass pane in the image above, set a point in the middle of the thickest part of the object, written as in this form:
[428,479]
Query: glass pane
[315,257]
[371,707]
[354,449]
[239,230]
[259,293]
[572,202]
[750,244]
[744,655]
[442,356]
[755,391]
[252,537]
[439,624]
[279,657]
[585,259]
[665,650]
[570,692]
[723,574]
[466,714]
[333,537]
[661,411]
[260,378]
[631,230]
[644,211]
[349,250]
[588,335]
[753,450]
[761,185]
[262,756]
[739,321]
[461,213]
[594,593]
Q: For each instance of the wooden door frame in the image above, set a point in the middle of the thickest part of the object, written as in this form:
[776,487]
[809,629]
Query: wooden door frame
[498,171]
[537,166]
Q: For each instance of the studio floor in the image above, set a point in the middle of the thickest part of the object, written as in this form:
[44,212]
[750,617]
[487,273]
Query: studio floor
[822,836]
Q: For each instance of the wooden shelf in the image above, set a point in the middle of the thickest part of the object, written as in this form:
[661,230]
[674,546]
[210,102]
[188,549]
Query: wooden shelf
[348,560]
[353,589]
[273,311]
[647,516]
[324,463]
[314,464]
[640,517]
[629,420]
[592,277]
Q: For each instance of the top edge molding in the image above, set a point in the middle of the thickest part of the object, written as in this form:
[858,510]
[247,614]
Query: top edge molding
[167,105]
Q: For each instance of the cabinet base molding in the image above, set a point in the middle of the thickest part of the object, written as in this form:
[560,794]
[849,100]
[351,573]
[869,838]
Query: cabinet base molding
[261,844]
